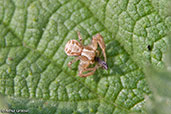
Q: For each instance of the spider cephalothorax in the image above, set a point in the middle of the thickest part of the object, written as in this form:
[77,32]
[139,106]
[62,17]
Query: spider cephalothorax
[86,54]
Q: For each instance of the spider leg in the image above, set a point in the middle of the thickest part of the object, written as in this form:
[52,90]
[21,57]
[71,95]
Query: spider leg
[80,38]
[98,39]
[85,75]
[74,60]
[83,68]
[97,53]
[92,69]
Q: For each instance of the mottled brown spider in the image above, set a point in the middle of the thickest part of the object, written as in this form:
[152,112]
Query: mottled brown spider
[86,54]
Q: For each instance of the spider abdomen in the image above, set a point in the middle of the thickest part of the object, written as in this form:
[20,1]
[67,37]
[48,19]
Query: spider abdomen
[73,48]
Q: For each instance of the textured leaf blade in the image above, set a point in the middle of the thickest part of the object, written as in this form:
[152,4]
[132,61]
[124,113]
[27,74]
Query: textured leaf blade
[33,65]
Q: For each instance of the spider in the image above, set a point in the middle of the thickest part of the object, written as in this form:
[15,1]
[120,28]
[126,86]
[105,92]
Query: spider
[86,54]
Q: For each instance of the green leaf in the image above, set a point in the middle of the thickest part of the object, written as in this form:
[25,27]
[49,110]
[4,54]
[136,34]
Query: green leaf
[160,101]
[159,83]
[33,66]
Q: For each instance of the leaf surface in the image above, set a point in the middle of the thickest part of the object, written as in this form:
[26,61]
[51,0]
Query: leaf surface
[33,66]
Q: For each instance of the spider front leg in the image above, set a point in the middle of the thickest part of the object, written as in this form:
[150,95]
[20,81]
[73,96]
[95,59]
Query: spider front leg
[98,39]
[73,61]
